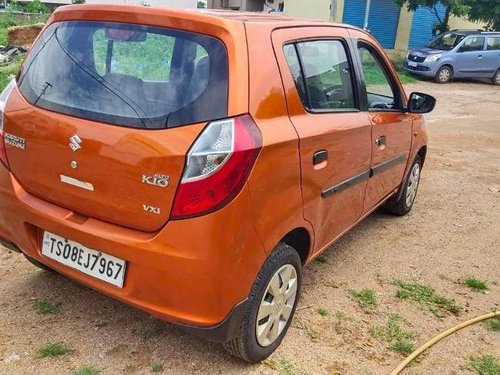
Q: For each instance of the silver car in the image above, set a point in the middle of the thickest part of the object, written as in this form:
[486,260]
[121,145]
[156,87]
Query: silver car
[458,54]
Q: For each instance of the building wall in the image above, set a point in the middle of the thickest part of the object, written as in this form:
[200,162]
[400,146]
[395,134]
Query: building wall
[317,9]
[460,23]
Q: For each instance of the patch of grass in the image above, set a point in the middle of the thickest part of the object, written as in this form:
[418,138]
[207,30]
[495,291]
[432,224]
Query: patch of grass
[404,76]
[53,349]
[404,347]
[86,370]
[321,259]
[283,366]
[7,72]
[485,365]
[427,297]
[493,324]
[343,316]
[322,312]
[476,284]
[310,332]
[153,330]
[45,307]
[366,298]
[400,340]
[156,368]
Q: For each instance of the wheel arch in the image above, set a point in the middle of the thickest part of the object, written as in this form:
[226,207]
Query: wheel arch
[300,240]
[422,153]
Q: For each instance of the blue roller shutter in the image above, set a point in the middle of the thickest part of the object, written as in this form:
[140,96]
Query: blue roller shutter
[382,21]
[422,24]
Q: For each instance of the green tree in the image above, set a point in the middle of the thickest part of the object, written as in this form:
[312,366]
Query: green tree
[487,11]
[453,7]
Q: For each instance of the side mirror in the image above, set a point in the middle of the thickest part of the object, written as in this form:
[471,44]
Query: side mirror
[420,103]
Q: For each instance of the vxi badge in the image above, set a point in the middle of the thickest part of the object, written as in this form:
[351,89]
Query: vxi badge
[157,179]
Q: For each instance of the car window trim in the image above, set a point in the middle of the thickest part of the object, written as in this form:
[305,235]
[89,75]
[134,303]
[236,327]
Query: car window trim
[352,67]
[469,37]
[492,38]
[392,80]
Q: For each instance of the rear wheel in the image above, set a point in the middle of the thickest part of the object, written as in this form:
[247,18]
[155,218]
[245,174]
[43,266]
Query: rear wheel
[38,264]
[270,307]
[444,74]
[404,204]
[496,78]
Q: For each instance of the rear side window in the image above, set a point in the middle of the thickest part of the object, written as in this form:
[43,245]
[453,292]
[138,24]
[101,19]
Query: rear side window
[493,43]
[323,78]
[130,75]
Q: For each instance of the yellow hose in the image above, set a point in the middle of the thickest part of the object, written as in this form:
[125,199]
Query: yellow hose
[441,336]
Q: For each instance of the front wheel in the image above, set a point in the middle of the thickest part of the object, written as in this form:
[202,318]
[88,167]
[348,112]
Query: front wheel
[406,197]
[443,74]
[270,306]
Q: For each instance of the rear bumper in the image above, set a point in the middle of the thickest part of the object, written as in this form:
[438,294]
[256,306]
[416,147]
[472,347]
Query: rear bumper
[196,272]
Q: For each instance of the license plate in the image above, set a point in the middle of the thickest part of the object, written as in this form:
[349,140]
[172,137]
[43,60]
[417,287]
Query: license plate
[411,63]
[92,262]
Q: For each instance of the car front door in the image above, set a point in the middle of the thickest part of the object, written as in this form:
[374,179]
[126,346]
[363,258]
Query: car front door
[470,58]
[334,136]
[492,55]
[391,126]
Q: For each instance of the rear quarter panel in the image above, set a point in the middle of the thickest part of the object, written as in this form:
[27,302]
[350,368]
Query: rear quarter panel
[275,185]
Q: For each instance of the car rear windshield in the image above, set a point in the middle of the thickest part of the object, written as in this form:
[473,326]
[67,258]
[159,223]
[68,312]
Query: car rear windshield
[129,75]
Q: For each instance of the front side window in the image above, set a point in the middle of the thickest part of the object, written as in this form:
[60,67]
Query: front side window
[130,75]
[323,77]
[474,43]
[493,43]
[379,90]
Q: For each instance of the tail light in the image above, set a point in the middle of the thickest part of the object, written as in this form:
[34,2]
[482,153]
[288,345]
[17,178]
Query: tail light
[4,96]
[217,166]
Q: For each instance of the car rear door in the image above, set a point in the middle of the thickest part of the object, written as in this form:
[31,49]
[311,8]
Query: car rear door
[383,99]
[470,58]
[492,54]
[335,144]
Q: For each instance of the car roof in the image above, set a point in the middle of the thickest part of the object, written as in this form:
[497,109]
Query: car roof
[475,32]
[207,15]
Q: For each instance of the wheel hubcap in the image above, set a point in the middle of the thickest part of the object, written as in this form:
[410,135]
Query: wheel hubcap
[276,306]
[411,189]
[444,75]
[497,78]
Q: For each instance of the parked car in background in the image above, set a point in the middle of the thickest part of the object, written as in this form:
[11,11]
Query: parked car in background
[191,163]
[458,54]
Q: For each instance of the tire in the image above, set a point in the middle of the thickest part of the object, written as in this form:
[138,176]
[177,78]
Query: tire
[38,264]
[444,74]
[496,78]
[404,204]
[283,261]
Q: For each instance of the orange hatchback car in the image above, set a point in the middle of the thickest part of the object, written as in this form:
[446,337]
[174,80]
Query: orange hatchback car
[191,163]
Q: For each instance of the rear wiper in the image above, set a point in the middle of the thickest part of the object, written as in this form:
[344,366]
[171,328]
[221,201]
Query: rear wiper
[106,84]
[45,87]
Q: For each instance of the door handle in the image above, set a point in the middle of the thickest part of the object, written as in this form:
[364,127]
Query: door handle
[380,141]
[479,56]
[320,156]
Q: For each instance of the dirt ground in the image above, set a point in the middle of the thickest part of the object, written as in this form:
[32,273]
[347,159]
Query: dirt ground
[452,233]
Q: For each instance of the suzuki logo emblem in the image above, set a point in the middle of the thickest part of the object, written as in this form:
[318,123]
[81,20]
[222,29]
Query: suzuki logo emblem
[74,142]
